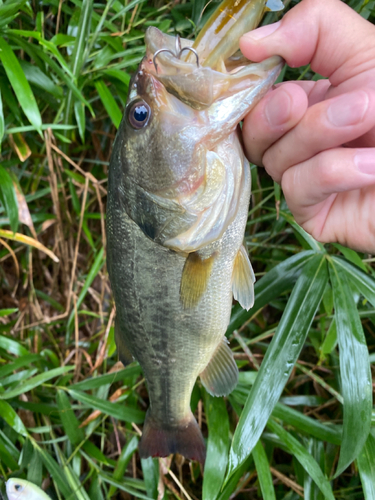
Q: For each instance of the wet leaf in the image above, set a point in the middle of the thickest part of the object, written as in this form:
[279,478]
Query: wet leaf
[366,467]
[280,358]
[304,458]
[356,385]
[263,471]
[217,446]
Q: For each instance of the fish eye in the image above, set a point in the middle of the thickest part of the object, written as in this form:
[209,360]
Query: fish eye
[18,487]
[139,114]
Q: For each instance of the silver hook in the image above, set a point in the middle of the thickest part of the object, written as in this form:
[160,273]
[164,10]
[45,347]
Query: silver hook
[178,54]
[191,50]
[157,53]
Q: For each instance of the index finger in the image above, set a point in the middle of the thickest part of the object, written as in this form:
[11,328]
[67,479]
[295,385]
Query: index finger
[333,38]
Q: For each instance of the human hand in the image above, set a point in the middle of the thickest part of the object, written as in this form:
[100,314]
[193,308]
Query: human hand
[318,138]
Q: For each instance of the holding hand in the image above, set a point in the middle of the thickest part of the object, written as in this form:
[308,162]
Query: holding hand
[318,138]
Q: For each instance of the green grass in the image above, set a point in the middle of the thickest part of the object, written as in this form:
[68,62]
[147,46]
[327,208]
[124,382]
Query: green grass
[299,421]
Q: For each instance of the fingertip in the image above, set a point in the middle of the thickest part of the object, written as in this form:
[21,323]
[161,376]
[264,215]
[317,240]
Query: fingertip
[256,45]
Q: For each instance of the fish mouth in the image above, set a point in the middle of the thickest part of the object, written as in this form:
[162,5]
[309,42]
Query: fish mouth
[211,68]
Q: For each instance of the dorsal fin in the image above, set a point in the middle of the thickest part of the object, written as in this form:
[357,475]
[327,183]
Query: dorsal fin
[220,376]
[243,279]
[194,279]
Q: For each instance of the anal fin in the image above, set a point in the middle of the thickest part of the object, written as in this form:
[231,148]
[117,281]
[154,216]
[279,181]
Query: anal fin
[243,279]
[220,376]
[124,354]
[194,279]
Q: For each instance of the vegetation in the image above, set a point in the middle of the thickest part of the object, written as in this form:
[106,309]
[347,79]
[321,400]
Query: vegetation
[70,414]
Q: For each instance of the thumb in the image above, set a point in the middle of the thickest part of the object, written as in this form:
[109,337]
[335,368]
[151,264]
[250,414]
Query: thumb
[337,41]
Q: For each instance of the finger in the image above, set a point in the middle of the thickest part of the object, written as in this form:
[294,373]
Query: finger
[315,91]
[278,112]
[309,33]
[325,125]
[323,194]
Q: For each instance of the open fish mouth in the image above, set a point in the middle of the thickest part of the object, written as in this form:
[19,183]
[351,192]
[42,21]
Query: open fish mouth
[212,68]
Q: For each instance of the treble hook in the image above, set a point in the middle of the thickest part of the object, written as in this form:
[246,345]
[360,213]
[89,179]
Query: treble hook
[178,53]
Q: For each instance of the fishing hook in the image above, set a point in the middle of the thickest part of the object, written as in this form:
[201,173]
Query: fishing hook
[177,55]
[191,50]
[157,53]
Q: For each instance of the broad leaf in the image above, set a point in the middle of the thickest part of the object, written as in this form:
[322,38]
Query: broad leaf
[279,359]
[217,446]
[356,385]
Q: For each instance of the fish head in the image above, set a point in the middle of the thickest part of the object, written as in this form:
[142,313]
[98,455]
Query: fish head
[173,160]
[20,489]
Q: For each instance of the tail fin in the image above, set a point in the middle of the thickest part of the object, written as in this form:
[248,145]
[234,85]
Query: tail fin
[160,440]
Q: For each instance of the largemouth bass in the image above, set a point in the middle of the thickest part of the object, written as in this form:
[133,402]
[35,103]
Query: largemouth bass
[178,196]
[20,489]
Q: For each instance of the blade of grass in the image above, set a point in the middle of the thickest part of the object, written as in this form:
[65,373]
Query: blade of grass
[68,419]
[356,385]
[12,419]
[116,410]
[366,467]
[8,198]
[36,381]
[279,360]
[20,85]
[27,240]
[263,470]
[217,446]
[109,103]
[304,458]
[363,282]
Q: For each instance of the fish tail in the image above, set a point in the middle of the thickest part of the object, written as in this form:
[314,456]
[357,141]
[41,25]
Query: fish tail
[185,438]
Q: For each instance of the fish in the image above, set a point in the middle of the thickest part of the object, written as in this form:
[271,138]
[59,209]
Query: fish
[20,489]
[177,206]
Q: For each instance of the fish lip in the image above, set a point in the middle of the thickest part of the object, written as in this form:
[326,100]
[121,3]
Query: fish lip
[199,87]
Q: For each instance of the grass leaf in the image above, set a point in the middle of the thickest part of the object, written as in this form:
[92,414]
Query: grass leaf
[8,198]
[304,458]
[280,358]
[366,467]
[116,410]
[217,446]
[355,371]
[263,471]
[20,85]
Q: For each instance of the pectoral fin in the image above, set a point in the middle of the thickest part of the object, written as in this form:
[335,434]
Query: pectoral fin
[123,352]
[220,376]
[194,279]
[243,279]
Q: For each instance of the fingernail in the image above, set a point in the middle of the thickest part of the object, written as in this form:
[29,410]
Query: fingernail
[277,109]
[348,109]
[262,32]
[365,161]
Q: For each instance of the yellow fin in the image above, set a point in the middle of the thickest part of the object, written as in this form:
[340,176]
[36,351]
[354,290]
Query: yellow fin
[243,279]
[194,279]
[220,376]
